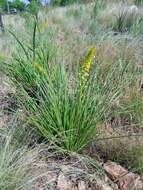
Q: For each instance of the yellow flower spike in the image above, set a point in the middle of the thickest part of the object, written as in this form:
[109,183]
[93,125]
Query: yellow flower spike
[85,68]
[38,67]
[87,63]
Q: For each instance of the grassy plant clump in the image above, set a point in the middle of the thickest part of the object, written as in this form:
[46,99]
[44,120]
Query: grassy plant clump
[24,69]
[63,110]
[124,20]
[98,5]
[19,166]
[120,18]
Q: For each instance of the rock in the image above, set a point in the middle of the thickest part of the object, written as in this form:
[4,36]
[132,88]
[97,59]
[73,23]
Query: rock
[71,178]
[68,176]
[125,179]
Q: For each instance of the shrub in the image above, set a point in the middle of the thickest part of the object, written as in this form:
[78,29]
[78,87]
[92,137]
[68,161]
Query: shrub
[3,4]
[17,4]
[66,2]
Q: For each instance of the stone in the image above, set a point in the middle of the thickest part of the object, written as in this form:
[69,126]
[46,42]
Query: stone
[126,180]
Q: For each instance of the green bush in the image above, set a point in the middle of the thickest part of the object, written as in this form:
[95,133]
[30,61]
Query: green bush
[17,4]
[3,5]
[62,2]
[66,2]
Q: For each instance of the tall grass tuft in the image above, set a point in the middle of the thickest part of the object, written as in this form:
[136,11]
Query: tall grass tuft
[63,110]
[20,167]
[125,19]
[98,4]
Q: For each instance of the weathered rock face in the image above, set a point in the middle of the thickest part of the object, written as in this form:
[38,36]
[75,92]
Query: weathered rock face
[71,178]
[125,179]
[68,177]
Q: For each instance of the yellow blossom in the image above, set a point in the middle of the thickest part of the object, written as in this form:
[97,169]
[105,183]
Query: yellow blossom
[87,63]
